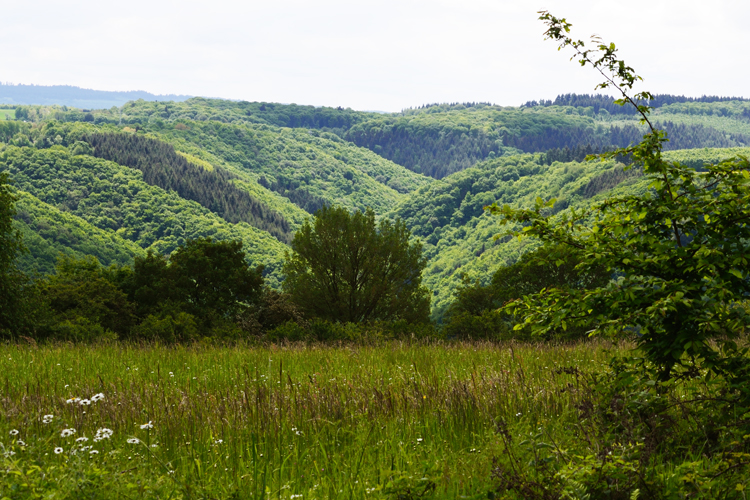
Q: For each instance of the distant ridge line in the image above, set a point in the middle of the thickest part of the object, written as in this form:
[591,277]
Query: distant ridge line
[69,95]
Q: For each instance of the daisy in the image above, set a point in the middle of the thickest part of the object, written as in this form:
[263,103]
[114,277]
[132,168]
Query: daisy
[58,450]
[67,432]
[84,402]
[14,432]
[133,441]
[82,439]
[97,397]
[148,425]
[47,419]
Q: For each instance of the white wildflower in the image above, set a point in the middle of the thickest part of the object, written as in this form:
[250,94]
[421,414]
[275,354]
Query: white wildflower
[67,432]
[102,433]
[72,400]
[14,432]
[97,397]
[134,441]
[148,425]
[21,443]
[82,439]
[58,450]
[47,419]
[84,402]
[93,452]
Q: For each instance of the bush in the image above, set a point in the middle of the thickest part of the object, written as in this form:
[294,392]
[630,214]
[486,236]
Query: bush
[168,327]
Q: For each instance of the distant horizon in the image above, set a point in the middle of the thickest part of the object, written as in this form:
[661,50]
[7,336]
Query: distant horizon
[187,96]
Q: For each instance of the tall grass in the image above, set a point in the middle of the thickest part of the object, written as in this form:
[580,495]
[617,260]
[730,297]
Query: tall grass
[275,422]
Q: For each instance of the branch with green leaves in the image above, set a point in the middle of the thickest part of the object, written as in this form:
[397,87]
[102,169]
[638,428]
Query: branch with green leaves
[678,254]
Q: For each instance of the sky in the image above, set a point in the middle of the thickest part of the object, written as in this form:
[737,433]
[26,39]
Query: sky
[382,55]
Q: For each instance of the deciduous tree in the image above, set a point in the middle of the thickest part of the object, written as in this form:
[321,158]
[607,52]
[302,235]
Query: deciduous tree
[345,267]
[680,251]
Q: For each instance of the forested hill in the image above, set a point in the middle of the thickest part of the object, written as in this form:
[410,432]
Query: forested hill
[115,189]
[67,95]
[459,236]
[117,182]
[438,140]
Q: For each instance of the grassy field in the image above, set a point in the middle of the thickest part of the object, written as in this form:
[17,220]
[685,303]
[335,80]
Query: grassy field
[391,421]
[7,114]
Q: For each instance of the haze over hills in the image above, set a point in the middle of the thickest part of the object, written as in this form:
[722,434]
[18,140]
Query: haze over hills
[117,182]
[68,95]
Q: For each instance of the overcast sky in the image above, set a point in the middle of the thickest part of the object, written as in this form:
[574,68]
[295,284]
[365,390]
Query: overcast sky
[381,55]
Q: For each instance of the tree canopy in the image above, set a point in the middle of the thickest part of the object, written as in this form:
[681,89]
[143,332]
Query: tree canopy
[345,267]
[10,246]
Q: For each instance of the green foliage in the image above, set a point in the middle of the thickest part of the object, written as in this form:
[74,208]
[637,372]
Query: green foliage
[116,200]
[48,232]
[631,436]
[300,161]
[11,280]
[346,268]
[474,312]
[679,251]
[163,167]
[85,302]
[212,279]
[169,327]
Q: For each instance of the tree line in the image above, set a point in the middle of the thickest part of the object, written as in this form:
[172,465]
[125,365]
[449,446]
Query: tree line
[605,102]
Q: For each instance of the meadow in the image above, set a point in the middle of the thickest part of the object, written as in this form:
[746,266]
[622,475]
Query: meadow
[7,114]
[395,420]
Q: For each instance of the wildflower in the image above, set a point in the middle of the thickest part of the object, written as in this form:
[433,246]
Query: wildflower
[171,374]
[97,397]
[72,400]
[419,440]
[84,402]
[47,419]
[218,441]
[133,441]
[148,425]
[82,439]
[14,432]
[58,450]
[102,433]
[67,432]
[94,452]
[9,453]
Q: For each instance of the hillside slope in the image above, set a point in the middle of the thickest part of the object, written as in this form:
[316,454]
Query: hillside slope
[459,237]
[115,199]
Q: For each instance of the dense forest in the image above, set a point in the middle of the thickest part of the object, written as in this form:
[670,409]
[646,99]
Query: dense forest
[152,176]
[437,140]
[604,102]
[162,166]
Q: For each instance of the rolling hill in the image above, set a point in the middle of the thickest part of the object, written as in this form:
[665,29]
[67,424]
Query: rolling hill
[114,183]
